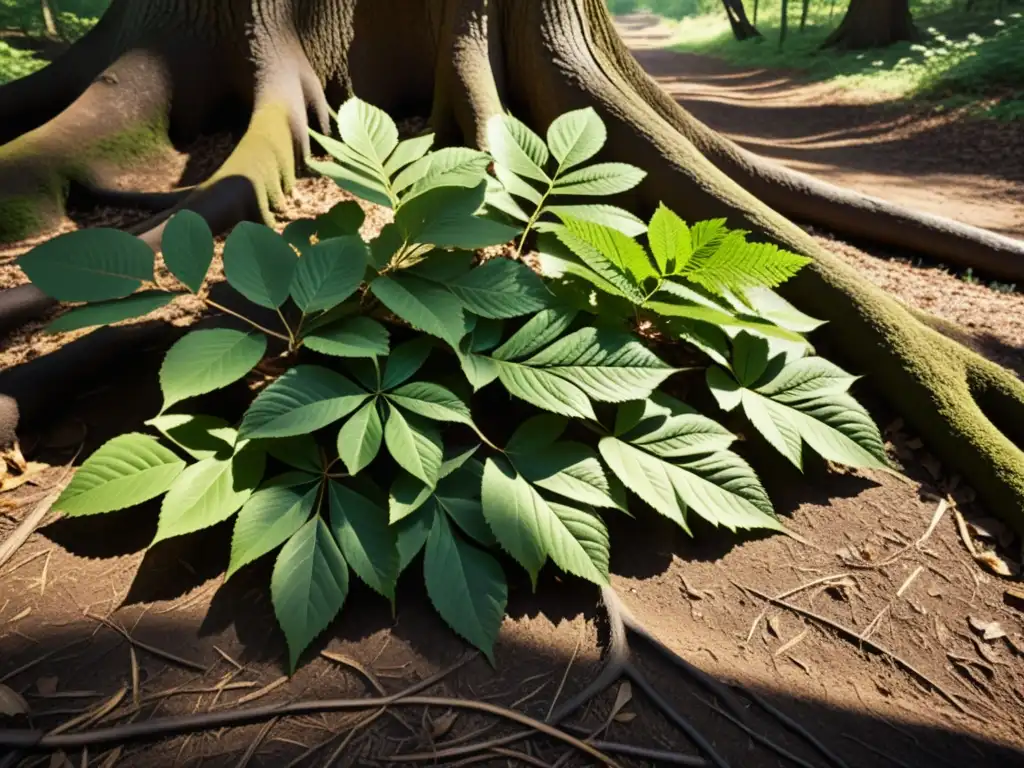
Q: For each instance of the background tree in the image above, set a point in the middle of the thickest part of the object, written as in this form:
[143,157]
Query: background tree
[742,29]
[165,68]
[873,24]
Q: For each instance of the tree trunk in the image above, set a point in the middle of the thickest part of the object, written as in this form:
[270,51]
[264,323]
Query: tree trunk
[873,24]
[742,29]
[49,25]
[803,14]
[783,23]
[164,66]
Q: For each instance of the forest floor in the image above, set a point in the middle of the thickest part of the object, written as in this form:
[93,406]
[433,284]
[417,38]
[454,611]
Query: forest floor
[888,561]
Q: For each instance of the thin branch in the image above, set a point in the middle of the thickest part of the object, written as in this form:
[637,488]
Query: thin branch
[210,721]
[243,318]
[871,645]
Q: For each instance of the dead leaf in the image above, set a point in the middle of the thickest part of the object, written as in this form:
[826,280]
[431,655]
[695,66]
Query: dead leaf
[47,686]
[690,591]
[997,564]
[792,643]
[941,633]
[775,626]
[623,698]
[989,630]
[440,727]
[11,703]
[625,717]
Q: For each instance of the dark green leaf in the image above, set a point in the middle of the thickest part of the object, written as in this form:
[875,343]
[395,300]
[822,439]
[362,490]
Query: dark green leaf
[415,444]
[187,247]
[405,362]
[501,288]
[368,544]
[423,305]
[309,585]
[267,520]
[301,452]
[204,361]
[259,264]
[432,401]
[303,400]
[360,438]
[89,265]
[343,220]
[201,437]
[329,273]
[107,312]
[466,586]
[352,337]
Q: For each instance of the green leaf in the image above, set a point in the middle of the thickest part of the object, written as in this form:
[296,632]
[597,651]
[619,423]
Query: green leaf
[301,452]
[513,510]
[204,361]
[576,136]
[384,247]
[608,252]
[544,389]
[609,366]
[530,528]
[209,492]
[809,377]
[567,468]
[201,437]
[501,288]
[442,267]
[605,215]
[432,401]
[411,534]
[408,151]
[407,496]
[499,199]
[368,130]
[187,247]
[415,445]
[343,220]
[681,434]
[124,472]
[449,167]
[749,358]
[459,496]
[646,476]
[107,312]
[558,262]
[769,305]
[360,438]
[737,265]
[303,400]
[600,179]
[353,337]
[89,265]
[517,186]
[259,264]
[725,388]
[328,273]
[368,544]
[539,331]
[706,236]
[299,234]
[772,420]
[516,147]
[669,238]
[704,314]
[445,217]
[423,305]
[309,585]
[725,491]
[353,180]
[466,586]
[405,361]
[267,520]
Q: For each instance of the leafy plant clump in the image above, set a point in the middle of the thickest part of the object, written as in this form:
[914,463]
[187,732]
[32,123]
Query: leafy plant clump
[372,436]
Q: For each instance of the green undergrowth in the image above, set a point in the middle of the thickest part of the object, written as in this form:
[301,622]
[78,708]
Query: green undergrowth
[22,31]
[964,58]
[421,408]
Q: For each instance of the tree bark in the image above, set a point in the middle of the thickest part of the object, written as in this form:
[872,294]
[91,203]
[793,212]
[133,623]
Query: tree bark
[873,24]
[463,61]
[742,29]
[49,25]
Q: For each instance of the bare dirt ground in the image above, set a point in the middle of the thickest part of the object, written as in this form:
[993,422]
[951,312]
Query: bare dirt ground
[914,655]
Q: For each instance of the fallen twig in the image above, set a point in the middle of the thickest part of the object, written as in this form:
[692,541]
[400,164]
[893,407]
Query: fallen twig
[790,593]
[871,645]
[33,520]
[165,655]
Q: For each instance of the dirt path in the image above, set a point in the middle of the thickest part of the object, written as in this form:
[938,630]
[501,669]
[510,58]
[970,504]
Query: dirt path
[969,170]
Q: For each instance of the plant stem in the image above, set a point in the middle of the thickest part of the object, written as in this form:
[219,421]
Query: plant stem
[288,328]
[257,326]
